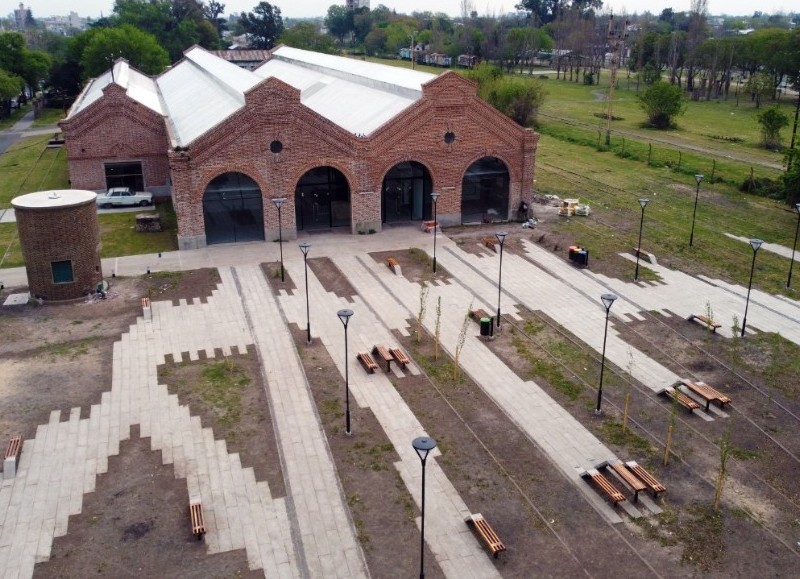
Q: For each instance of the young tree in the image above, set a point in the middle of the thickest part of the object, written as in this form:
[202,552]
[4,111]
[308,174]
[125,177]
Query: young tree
[772,120]
[305,35]
[263,26]
[339,22]
[662,102]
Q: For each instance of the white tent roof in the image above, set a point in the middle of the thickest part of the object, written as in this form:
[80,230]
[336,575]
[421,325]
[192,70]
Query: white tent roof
[203,90]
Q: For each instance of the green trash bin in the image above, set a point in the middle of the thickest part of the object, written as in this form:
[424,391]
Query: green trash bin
[486,326]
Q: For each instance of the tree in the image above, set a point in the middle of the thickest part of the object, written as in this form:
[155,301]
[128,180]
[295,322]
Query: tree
[263,26]
[772,120]
[213,12]
[339,22]
[517,98]
[305,35]
[662,102]
[10,86]
[544,11]
[139,48]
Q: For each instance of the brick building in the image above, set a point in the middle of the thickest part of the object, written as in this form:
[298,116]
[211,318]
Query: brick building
[346,143]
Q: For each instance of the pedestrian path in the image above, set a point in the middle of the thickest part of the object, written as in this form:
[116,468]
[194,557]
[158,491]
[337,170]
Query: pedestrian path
[450,540]
[571,447]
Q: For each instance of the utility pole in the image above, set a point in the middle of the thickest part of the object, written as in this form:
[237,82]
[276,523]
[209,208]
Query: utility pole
[616,38]
[412,36]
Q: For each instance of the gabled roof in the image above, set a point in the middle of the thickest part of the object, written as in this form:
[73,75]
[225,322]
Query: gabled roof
[139,87]
[202,90]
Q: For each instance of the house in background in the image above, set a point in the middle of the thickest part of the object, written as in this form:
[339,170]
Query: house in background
[348,144]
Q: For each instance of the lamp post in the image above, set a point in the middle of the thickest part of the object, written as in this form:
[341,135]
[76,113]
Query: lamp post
[794,247]
[501,237]
[279,201]
[608,300]
[643,203]
[435,197]
[697,178]
[755,244]
[304,247]
[344,316]
[423,445]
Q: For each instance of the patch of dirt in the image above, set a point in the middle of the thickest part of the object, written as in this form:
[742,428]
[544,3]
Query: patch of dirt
[416,265]
[240,415]
[136,523]
[331,277]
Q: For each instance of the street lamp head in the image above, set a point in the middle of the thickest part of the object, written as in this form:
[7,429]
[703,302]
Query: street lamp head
[698,178]
[304,247]
[797,207]
[644,202]
[435,197]
[501,236]
[608,300]
[423,445]
[756,244]
[278,201]
[344,315]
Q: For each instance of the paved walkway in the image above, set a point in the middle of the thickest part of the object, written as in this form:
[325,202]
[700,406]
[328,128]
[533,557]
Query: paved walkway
[309,533]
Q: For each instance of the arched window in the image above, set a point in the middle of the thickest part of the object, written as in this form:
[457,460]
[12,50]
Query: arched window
[233,209]
[484,191]
[322,199]
[406,193]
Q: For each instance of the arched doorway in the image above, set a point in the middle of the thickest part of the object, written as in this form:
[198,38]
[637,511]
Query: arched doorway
[233,209]
[484,191]
[322,199]
[406,193]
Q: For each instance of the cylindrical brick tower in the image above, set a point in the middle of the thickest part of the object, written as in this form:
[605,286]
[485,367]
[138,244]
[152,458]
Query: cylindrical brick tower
[60,238]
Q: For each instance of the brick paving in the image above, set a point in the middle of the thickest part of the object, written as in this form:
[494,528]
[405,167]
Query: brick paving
[309,532]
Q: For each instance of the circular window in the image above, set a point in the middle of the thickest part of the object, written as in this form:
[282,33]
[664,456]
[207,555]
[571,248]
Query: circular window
[276,147]
[449,137]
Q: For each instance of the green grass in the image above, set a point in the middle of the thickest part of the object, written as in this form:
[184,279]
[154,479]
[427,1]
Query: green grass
[118,235]
[48,117]
[221,388]
[10,250]
[29,166]
[613,185]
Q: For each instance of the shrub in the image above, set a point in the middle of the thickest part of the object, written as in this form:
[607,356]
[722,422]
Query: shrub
[772,120]
[763,187]
[662,102]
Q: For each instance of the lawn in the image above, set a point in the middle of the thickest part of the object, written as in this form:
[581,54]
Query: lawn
[30,166]
[612,186]
[16,115]
[48,117]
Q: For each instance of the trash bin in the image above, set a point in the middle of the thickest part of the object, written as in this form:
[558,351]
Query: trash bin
[486,326]
[582,257]
[573,249]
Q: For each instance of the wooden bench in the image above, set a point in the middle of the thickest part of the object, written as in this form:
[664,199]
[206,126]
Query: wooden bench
[630,479]
[384,354]
[644,476]
[478,314]
[13,450]
[366,360]
[707,393]
[146,311]
[605,485]
[681,398]
[391,262]
[198,522]
[399,357]
[705,320]
[489,242]
[486,532]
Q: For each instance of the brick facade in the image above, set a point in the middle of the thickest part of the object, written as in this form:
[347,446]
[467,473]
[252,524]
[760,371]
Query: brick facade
[273,112]
[69,232]
[115,128]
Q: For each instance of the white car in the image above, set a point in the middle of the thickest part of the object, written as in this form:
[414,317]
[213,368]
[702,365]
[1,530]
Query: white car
[123,197]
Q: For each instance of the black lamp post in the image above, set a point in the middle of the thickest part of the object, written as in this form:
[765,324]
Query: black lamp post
[697,178]
[435,197]
[643,203]
[501,237]
[279,201]
[304,247]
[755,244]
[344,316]
[608,300]
[423,445]
[794,247]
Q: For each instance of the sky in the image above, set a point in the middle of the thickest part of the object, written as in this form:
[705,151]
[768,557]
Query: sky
[304,8]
